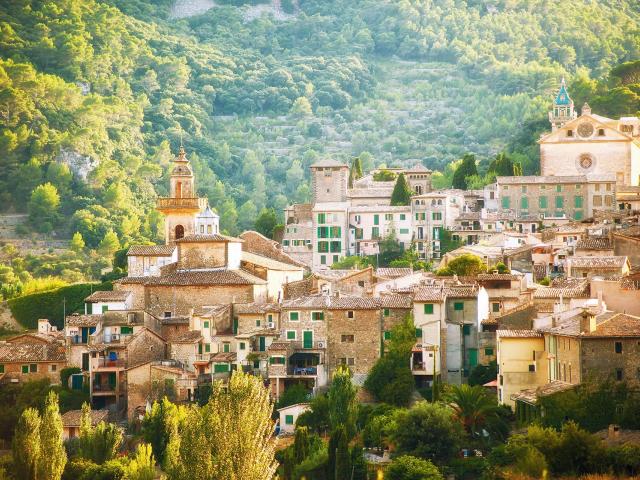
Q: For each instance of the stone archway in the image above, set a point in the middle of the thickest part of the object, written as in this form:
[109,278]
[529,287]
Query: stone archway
[179,231]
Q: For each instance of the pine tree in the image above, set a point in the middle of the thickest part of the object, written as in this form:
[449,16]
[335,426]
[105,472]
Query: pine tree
[77,242]
[43,207]
[26,445]
[53,457]
[109,244]
[142,465]
[466,169]
[401,192]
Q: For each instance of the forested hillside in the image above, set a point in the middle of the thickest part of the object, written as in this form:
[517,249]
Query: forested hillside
[96,95]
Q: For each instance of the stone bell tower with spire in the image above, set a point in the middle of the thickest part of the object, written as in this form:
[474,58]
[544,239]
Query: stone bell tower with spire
[563,110]
[182,206]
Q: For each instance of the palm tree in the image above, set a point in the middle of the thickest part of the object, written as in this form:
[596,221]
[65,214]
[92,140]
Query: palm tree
[476,410]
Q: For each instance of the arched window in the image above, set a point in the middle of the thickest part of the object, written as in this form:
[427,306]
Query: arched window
[179,231]
[178,189]
[419,189]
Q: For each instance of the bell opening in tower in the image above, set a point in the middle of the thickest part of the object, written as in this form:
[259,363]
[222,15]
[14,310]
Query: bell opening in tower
[179,231]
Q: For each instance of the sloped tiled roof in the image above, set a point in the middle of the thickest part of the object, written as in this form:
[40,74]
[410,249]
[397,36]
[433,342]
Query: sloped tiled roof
[256,243]
[213,277]
[396,301]
[518,334]
[597,262]
[151,250]
[224,357]
[498,276]
[269,263]
[132,280]
[462,291]
[191,336]
[568,289]
[77,320]
[431,293]
[531,395]
[608,324]
[252,308]
[108,296]
[594,243]
[331,303]
[32,352]
[72,417]
[208,238]
[393,272]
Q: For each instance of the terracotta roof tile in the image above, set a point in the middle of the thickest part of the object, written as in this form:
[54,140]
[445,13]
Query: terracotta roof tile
[32,352]
[568,288]
[597,262]
[108,296]
[191,336]
[253,308]
[151,250]
[594,243]
[431,293]
[72,417]
[518,334]
[327,302]
[224,357]
[256,243]
[393,272]
[208,238]
[608,324]
[210,277]
[396,301]
[531,395]
[77,320]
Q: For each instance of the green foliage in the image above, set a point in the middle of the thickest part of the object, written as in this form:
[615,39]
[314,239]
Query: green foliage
[317,417]
[466,169]
[390,379]
[466,264]
[343,408]
[53,456]
[29,308]
[43,208]
[482,374]
[339,459]
[428,431]
[26,444]
[142,465]
[354,261]
[156,426]
[501,268]
[406,467]
[401,194]
[266,222]
[501,166]
[98,444]
[65,373]
[77,242]
[384,176]
[296,393]
[477,411]
[546,281]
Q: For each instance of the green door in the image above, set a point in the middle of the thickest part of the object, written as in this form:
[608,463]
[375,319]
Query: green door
[221,368]
[85,362]
[112,380]
[473,357]
[262,344]
[307,339]
[235,326]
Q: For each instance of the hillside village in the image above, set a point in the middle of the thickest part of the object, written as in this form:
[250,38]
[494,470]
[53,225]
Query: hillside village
[558,303]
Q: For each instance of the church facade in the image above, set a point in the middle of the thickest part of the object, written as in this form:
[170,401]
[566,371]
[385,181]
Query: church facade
[589,143]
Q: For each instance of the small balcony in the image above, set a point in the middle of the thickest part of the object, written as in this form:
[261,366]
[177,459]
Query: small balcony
[302,371]
[202,358]
[107,364]
[78,340]
[108,388]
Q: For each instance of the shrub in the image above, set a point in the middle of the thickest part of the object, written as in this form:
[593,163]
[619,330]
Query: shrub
[407,467]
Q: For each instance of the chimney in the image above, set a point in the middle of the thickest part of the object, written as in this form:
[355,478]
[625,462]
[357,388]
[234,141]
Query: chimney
[586,109]
[587,321]
[614,431]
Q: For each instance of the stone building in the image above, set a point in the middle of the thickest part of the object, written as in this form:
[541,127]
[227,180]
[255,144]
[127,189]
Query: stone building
[549,198]
[23,362]
[584,267]
[590,143]
[593,346]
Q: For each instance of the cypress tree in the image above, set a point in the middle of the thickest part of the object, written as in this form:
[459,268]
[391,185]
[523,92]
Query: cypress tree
[53,457]
[401,192]
[464,170]
[339,461]
[26,444]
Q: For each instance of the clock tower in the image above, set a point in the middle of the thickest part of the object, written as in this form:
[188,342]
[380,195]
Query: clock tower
[563,110]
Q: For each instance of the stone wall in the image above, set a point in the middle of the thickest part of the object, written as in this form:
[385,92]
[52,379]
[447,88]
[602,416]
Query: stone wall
[600,360]
[145,347]
[193,255]
[365,347]
[180,299]
[627,246]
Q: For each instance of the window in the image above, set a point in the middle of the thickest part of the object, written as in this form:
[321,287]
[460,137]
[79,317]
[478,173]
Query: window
[257,322]
[291,334]
[569,133]
[323,232]
[33,368]
[126,330]
[488,351]
[559,201]
[436,215]
[288,419]
[322,218]
[25,368]
[376,219]
[323,247]
[336,247]
[386,312]
[226,347]
[532,367]
[207,347]
[375,232]
[558,188]
[619,374]
[458,306]
[346,338]
[428,308]
[206,324]
[577,201]
[346,361]
[506,202]
[524,203]
[242,346]
[404,231]
[403,216]
[276,360]
[524,189]
[323,259]
[495,307]
[1,368]
[601,132]
[105,308]
[388,216]
[618,347]
[294,316]
[419,333]
[335,258]
[350,314]
[167,314]
[577,215]
[609,186]
[542,202]
[285,243]
[336,232]
[361,283]
[387,335]
[317,316]
[466,329]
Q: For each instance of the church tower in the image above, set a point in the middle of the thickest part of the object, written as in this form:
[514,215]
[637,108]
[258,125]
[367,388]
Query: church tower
[563,110]
[182,206]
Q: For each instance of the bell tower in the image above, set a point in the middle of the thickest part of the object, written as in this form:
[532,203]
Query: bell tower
[182,206]
[563,110]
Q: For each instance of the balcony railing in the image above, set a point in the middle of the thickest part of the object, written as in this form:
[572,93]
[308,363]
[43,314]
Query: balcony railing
[202,357]
[302,371]
[181,202]
[107,363]
[78,340]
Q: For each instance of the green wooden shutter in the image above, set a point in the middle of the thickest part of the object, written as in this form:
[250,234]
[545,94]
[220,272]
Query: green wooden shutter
[262,344]
[428,308]
[307,339]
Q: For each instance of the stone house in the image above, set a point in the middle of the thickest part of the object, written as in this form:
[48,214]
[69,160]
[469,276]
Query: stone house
[153,380]
[522,362]
[22,361]
[148,260]
[71,421]
[562,294]
[586,267]
[600,246]
[429,316]
[593,346]
[289,416]
[620,295]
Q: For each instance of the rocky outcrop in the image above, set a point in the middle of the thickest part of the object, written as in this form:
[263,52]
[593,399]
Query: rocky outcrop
[80,165]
